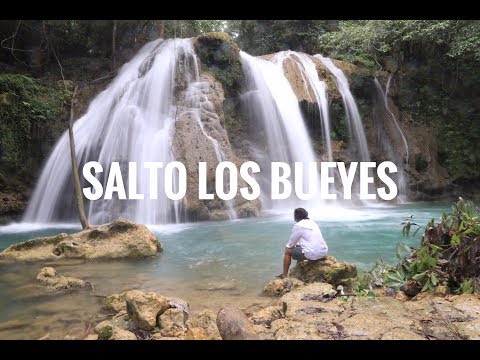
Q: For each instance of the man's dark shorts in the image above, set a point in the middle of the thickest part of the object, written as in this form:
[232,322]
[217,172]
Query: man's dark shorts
[297,254]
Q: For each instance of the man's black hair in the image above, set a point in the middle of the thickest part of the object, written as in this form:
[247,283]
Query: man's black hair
[300,214]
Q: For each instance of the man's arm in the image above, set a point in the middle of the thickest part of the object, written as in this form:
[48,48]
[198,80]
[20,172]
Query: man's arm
[295,237]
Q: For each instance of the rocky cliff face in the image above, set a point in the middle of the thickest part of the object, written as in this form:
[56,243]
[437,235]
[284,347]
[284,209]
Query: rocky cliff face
[200,136]
[426,178]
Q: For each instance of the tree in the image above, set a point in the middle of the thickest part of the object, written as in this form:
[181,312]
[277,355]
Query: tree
[73,156]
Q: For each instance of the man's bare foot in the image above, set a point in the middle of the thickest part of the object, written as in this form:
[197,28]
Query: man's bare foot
[281,276]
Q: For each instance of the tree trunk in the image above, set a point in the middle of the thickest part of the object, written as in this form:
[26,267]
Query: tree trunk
[114,36]
[76,178]
[161,29]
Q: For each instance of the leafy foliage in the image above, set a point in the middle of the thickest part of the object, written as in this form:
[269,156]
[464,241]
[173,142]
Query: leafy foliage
[438,64]
[28,107]
[260,37]
[449,255]
[219,55]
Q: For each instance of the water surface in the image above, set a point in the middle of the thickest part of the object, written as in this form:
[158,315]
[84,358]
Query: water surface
[209,264]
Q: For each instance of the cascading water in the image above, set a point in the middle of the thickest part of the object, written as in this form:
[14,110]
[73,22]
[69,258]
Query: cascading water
[270,102]
[134,118]
[131,121]
[310,75]
[388,145]
[355,125]
[385,99]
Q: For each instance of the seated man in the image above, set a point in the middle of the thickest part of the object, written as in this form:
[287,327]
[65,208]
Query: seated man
[306,241]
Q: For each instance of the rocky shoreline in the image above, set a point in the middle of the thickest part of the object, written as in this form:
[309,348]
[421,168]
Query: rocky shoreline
[298,311]
[315,302]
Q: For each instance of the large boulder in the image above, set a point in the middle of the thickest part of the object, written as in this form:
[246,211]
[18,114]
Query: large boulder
[327,270]
[143,308]
[119,239]
[53,280]
[233,324]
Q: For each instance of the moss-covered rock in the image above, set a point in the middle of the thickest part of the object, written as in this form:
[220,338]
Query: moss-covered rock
[327,270]
[220,55]
[106,330]
[115,302]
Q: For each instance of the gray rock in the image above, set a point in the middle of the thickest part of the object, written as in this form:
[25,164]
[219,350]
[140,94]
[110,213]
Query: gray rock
[233,324]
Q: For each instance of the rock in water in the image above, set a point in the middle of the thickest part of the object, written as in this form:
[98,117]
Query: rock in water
[233,324]
[143,308]
[119,239]
[327,270]
[49,277]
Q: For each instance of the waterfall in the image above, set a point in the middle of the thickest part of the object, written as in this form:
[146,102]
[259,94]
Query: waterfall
[272,106]
[355,125]
[385,99]
[130,121]
[310,77]
[402,159]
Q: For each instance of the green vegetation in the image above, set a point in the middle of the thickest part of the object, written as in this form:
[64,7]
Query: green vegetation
[339,120]
[449,256]
[259,37]
[220,56]
[437,63]
[28,109]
